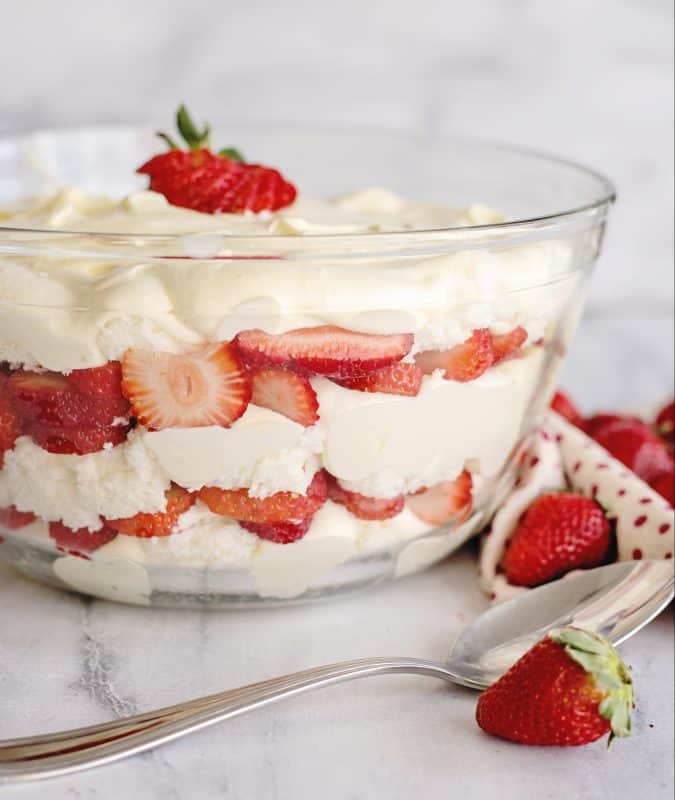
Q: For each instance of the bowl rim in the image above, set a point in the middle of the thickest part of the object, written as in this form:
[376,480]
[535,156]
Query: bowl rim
[607,193]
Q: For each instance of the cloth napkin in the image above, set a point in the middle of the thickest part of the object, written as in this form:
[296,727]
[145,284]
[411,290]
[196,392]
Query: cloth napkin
[562,457]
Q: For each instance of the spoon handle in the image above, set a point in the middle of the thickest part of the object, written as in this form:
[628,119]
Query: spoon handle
[61,753]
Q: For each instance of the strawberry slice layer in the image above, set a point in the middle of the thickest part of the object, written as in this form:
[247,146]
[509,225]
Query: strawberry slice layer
[279,532]
[77,441]
[279,507]
[325,350]
[207,386]
[446,501]
[404,378]
[162,523]
[62,418]
[507,345]
[49,399]
[13,519]
[363,507]
[101,382]
[10,422]
[464,362]
[286,393]
[80,541]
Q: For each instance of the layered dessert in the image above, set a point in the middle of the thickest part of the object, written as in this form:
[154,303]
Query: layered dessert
[217,376]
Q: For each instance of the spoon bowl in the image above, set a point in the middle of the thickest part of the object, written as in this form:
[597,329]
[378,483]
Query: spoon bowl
[616,601]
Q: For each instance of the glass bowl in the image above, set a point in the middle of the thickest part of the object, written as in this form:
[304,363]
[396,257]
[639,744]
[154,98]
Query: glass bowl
[429,355]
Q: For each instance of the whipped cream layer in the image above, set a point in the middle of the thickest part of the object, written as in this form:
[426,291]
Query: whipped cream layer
[71,301]
[376,444]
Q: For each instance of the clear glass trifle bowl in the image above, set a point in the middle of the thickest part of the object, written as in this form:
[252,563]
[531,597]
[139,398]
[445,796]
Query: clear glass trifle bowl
[260,406]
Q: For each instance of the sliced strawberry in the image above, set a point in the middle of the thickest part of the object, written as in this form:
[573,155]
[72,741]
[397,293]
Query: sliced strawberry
[279,532]
[47,398]
[364,507]
[286,393]
[633,443]
[207,386]
[10,422]
[404,378]
[464,362]
[101,382]
[81,541]
[14,519]
[564,405]
[507,345]
[77,441]
[443,502]
[162,523]
[214,182]
[325,350]
[279,507]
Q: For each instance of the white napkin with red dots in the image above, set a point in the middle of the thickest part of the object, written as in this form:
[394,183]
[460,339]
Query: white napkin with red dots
[561,457]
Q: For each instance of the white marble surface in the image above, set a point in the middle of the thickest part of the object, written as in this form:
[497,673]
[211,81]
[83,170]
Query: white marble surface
[68,661]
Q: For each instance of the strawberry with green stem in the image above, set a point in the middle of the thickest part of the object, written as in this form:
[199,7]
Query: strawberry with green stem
[213,182]
[570,689]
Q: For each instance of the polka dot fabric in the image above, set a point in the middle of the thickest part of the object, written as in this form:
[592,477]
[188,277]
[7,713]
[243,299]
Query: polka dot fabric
[561,457]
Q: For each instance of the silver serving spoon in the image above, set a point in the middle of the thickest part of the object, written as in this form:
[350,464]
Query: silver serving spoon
[616,601]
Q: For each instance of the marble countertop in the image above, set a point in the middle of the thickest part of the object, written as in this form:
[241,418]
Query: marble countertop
[67,661]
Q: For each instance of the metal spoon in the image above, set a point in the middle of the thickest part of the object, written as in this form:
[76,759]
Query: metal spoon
[617,601]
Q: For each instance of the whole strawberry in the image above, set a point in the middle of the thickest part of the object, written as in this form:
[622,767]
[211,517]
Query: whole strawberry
[209,182]
[565,406]
[632,442]
[570,689]
[665,425]
[558,532]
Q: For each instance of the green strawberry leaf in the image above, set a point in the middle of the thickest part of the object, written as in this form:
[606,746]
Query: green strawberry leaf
[606,668]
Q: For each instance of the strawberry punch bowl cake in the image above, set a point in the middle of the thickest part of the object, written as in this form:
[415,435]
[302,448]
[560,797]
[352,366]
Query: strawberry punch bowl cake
[217,389]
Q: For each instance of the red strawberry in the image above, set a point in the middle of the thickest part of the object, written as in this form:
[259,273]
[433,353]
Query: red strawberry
[10,421]
[464,362]
[214,182]
[279,507]
[287,393]
[48,399]
[161,523]
[325,350]
[507,345]
[446,501]
[101,382]
[364,507]
[566,408]
[665,425]
[558,532]
[207,386]
[13,519]
[633,443]
[77,441]
[81,541]
[404,378]
[62,419]
[570,689]
[279,532]
[664,484]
